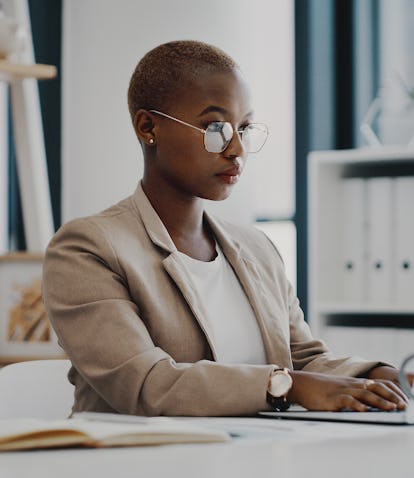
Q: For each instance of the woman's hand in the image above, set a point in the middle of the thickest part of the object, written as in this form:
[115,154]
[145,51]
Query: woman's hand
[316,391]
[384,372]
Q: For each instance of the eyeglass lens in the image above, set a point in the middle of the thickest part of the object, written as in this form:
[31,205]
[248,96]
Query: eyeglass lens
[219,134]
[254,137]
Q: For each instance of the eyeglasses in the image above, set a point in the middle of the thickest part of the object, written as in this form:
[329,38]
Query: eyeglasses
[218,134]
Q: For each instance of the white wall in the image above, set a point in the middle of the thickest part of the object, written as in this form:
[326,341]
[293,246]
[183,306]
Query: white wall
[102,42]
[396,68]
[397,39]
[283,236]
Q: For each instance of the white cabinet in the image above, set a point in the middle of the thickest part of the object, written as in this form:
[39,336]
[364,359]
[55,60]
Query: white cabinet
[361,281]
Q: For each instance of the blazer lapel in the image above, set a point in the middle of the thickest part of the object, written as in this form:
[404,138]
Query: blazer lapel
[173,264]
[268,311]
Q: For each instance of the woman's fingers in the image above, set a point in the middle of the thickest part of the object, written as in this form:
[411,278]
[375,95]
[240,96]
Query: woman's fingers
[380,394]
[373,400]
[390,392]
[348,402]
[322,392]
[396,388]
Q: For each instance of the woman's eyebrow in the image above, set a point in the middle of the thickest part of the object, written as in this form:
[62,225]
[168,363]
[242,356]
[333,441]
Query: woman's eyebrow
[216,109]
[219,109]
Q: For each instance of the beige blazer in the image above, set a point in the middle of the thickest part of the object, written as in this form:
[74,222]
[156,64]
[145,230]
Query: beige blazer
[126,312]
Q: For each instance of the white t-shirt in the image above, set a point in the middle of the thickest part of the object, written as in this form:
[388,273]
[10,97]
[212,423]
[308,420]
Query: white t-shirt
[237,336]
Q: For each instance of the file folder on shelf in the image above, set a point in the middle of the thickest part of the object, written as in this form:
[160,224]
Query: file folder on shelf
[353,263]
[404,240]
[379,231]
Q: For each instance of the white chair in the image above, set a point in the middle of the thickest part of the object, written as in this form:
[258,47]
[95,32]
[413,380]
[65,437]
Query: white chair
[36,389]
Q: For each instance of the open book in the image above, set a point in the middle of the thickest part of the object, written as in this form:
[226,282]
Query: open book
[22,434]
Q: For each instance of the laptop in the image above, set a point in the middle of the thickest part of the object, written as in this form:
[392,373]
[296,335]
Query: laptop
[374,416]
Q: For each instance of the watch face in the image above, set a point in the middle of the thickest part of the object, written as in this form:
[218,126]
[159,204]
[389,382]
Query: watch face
[280,384]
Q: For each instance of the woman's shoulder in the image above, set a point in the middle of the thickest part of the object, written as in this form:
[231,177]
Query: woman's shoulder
[113,220]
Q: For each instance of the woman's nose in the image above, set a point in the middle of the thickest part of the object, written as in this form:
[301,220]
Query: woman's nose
[235,147]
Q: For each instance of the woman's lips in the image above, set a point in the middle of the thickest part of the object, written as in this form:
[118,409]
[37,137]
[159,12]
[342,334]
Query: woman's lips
[230,176]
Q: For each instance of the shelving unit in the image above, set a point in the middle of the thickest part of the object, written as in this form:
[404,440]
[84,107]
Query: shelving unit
[377,328]
[14,71]
[30,149]
[24,330]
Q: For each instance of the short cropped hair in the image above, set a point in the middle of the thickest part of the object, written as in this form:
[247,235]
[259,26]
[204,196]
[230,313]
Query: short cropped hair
[161,73]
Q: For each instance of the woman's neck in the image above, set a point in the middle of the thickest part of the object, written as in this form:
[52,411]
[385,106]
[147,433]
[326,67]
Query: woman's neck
[183,218]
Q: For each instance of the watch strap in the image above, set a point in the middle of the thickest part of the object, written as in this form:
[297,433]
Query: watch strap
[280,404]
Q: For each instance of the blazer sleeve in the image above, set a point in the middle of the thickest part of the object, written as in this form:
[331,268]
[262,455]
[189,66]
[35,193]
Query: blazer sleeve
[312,355]
[100,328]
[308,353]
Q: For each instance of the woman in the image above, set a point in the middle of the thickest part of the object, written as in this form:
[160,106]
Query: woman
[166,310]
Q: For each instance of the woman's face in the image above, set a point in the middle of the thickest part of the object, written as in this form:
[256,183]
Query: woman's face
[181,161]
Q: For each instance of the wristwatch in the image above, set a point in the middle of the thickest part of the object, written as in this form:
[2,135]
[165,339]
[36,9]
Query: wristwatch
[280,383]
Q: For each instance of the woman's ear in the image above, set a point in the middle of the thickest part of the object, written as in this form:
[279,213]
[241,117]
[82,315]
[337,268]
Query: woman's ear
[144,127]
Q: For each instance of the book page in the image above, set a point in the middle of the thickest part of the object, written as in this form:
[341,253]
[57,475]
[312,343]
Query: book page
[32,433]
[28,433]
[153,431]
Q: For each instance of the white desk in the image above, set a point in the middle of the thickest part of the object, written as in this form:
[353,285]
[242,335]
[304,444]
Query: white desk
[269,448]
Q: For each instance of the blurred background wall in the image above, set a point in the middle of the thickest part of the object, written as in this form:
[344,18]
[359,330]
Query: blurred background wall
[102,42]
